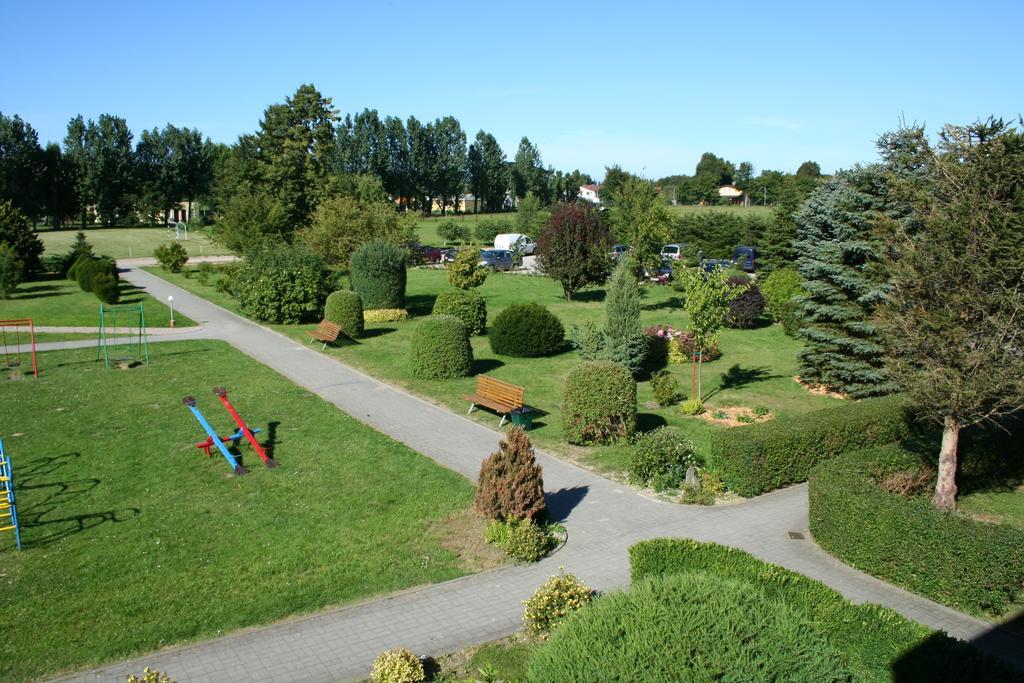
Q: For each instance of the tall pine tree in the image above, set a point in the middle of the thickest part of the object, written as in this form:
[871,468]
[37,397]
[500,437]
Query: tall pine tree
[839,257]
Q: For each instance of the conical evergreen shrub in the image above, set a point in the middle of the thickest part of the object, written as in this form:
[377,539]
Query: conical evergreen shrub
[511,485]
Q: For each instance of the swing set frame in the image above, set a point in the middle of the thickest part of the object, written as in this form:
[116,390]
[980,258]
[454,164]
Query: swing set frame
[18,324]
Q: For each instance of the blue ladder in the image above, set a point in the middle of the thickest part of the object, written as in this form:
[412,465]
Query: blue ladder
[8,511]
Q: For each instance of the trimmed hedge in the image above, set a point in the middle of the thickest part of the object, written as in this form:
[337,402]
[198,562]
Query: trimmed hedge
[661,457]
[281,284]
[106,288]
[955,560]
[466,305]
[688,627]
[526,331]
[378,274]
[878,644]
[345,309]
[440,348]
[598,403]
[769,455]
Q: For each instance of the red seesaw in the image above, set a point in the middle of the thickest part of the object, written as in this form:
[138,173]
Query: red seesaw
[222,394]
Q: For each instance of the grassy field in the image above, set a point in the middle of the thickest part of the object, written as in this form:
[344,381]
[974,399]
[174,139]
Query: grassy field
[765,211]
[756,368]
[130,242]
[426,228]
[50,301]
[134,540]
[1002,506]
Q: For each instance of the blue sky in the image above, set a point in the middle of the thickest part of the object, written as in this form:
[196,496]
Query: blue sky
[648,85]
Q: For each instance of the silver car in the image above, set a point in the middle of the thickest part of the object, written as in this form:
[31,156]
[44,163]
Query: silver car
[497,259]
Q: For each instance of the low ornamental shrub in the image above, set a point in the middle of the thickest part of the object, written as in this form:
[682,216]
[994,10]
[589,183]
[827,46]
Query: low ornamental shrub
[465,272]
[969,565]
[691,406]
[878,643]
[467,306]
[377,271]
[588,340]
[553,601]
[11,270]
[598,403]
[149,676]
[526,331]
[450,231]
[688,627]
[397,666]
[171,257]
[511,482]
[659,343]
[88,268]
[766,456]
[106,288]
[440,348]
[661,457]
[665,388]
[522,539]
[778,288]
[789,316]
[385,315]
[282,284]
[746,309]
[345,309]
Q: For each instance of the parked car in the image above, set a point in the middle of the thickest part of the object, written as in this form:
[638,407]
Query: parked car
[619,250]
[517,242]
[745,258]
[662,274]
[497,259]
[673,251]
[710,264]
[448,255]
[425,254]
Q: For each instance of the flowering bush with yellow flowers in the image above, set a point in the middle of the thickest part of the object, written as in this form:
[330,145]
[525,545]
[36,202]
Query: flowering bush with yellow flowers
[557,598]
[397,666]
[150,676]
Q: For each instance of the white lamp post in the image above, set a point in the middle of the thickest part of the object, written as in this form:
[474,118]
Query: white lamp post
[170,302]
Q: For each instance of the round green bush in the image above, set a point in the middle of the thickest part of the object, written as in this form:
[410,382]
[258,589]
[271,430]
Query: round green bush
[526,331]
[466,305]
[778,288]
[691,406]
[598,403]
[661,458]
[441,349]
[106,288]
[88,268]
[665,388]
[688,627]
[345,309]
[377,271]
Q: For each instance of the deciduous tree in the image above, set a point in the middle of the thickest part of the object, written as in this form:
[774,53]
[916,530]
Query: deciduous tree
[488,172]
[21,167]
[573,248]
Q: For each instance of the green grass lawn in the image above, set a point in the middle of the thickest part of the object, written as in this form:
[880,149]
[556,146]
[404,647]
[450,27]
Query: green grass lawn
[50,301]
[426,228]
[997,506]
[135,540]
[765,211]
[756,367]
[130,242]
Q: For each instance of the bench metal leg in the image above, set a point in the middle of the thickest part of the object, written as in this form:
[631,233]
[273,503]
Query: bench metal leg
[324,347]
[503,416]
[471,406]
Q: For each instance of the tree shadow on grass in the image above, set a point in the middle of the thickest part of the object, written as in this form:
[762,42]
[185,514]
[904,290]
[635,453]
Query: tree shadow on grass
[561,502]
[646,422]
[482,366]
[738,377]
[372,332]
[420,304]
[590,295]
[671,302]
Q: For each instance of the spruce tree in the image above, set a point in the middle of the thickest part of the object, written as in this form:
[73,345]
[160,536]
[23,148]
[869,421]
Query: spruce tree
[839,257]
[511,483]
[624,338]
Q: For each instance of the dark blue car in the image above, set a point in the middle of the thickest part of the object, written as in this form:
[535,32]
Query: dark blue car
[745,258]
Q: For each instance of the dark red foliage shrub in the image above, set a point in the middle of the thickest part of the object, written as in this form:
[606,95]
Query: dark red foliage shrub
[511,485]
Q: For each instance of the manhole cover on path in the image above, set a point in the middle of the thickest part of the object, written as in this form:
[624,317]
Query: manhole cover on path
[796,536]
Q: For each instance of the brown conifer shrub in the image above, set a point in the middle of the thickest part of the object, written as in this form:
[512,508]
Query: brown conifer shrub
[511,485]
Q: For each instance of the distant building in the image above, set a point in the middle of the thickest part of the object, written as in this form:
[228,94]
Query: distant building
[733,194]
[591,193]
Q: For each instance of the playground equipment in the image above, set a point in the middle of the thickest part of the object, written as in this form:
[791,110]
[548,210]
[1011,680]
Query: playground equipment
[222,394]
[14,333]
[8,510]
[180,230]
[214,440]
[122,334]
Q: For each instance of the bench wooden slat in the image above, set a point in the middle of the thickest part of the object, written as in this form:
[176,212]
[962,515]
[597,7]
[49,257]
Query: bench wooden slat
[326,331]
[501,397]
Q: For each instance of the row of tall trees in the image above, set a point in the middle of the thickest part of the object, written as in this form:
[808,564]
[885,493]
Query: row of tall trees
[98,167]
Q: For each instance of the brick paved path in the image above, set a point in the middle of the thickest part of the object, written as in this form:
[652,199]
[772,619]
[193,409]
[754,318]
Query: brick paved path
[603,519]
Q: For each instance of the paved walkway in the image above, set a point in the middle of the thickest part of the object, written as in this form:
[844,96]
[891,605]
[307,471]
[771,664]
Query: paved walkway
[603,519]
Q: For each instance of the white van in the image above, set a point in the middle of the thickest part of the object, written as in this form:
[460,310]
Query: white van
[517,242]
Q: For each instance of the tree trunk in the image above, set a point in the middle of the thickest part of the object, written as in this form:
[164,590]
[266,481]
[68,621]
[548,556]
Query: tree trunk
[700,376]
[693,376]
[945,486]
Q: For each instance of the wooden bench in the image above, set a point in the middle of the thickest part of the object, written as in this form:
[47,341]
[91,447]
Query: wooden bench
[326,332]
[501,397]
